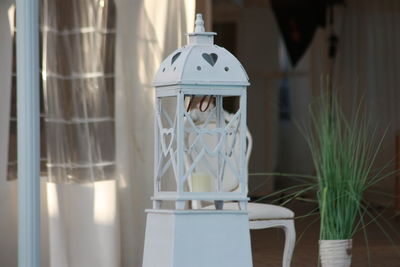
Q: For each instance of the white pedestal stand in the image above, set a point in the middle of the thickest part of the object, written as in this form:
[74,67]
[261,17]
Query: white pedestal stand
[197,238]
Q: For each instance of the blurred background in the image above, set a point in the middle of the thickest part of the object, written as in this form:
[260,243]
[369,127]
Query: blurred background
[98,60]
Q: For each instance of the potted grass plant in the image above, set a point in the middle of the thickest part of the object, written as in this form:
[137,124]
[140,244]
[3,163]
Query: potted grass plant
[344,151]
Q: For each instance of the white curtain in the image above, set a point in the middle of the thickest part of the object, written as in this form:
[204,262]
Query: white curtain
[93,218]
[148,30]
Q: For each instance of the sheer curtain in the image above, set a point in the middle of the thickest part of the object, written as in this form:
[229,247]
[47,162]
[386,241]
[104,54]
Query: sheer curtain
[96,216]
[96,189]
[78,83]
[78,94]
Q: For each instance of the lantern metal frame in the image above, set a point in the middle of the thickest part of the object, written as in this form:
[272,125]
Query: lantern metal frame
[177,129]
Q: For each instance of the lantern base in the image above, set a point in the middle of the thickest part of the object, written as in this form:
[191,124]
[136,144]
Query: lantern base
[197,238]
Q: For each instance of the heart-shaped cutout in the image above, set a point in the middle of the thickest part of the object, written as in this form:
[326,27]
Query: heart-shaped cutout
[210,58]
[175,57]
[167,138]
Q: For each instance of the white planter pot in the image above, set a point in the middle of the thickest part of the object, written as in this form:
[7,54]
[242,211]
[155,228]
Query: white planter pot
[335,253]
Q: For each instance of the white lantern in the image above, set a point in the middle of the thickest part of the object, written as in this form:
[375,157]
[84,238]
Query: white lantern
[198,148]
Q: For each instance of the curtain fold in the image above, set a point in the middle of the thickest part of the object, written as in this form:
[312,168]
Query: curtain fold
[148,31]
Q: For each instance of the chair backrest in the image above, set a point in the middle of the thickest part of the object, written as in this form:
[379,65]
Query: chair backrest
[209,162]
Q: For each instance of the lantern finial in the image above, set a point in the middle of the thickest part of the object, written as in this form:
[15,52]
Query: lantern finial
[200,36]
[199,24]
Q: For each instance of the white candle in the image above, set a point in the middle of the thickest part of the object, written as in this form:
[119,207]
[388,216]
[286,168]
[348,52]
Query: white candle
[201,182]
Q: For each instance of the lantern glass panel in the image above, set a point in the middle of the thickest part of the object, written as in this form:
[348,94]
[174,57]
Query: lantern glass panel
[212,146]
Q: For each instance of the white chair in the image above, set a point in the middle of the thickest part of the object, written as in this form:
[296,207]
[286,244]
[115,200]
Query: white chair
[261,215]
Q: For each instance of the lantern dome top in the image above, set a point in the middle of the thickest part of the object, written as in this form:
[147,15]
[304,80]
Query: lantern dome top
[201,62]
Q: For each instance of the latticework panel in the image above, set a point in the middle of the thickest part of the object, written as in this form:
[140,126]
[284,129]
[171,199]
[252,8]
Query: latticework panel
[199,151]
[166,156]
